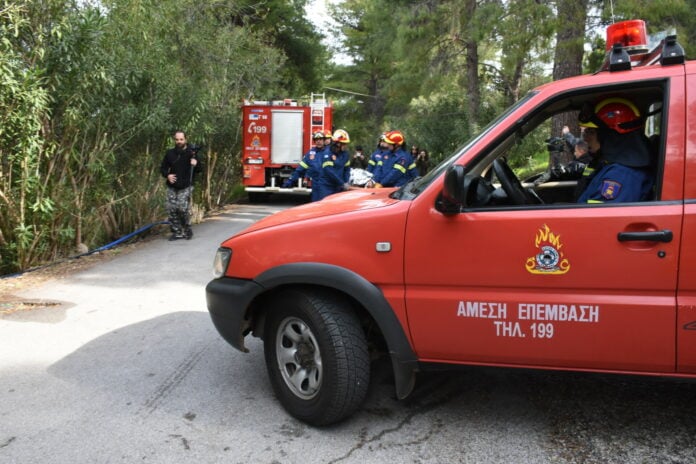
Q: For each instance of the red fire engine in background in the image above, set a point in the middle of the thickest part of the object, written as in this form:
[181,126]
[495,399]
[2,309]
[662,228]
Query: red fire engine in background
[275,136]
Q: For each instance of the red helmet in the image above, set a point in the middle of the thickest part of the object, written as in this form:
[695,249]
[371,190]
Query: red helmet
[394,137]
[619,114]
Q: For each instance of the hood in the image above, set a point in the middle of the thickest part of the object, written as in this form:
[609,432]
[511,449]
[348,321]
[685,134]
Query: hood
[345,202]
[629,149]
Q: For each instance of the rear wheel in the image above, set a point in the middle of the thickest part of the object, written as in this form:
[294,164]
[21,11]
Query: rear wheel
[316,356]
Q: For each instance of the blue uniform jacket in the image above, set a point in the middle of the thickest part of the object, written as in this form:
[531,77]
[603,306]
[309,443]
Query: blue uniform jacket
[396,169]
[335,172]
[375,158]
[618,183]
[309,166]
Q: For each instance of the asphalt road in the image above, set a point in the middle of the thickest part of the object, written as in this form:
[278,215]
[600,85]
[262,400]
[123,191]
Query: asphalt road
[125,366]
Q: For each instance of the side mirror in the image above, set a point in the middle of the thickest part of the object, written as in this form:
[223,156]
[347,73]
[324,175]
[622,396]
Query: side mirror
[454,184]
[462,190]
[451,200]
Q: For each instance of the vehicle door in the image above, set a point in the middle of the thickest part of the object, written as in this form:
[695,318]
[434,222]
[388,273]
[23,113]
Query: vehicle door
[561,285]
[686,296]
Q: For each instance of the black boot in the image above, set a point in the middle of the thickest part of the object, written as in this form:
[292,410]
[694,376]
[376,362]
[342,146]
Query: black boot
[176,234]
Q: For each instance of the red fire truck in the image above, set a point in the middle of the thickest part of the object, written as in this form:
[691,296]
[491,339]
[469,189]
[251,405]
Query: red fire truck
[471,265]
[275,135]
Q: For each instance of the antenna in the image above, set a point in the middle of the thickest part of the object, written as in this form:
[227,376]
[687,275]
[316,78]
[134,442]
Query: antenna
[611,4]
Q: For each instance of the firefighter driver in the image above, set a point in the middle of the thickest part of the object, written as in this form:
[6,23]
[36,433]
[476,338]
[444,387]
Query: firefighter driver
[625,174]
[310,165]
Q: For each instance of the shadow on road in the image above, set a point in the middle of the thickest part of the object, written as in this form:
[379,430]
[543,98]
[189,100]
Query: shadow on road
[158,363]
[156,366]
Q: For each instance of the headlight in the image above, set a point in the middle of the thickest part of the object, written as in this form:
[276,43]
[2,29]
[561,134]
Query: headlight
[222,260]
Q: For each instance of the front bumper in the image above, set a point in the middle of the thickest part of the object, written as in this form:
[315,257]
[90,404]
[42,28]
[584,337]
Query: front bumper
[228,300]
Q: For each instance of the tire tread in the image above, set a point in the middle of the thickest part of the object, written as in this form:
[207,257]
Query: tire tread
[333,322]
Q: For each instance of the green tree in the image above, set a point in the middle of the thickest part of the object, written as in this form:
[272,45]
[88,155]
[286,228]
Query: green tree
[25,103]
[93,94]
[429,61]
[369,36]
[569,51]
[284,26]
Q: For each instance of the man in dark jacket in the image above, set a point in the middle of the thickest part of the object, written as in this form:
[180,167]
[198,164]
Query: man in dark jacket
[178,166]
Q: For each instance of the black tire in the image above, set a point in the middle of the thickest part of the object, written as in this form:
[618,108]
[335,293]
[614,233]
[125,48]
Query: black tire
[316,356]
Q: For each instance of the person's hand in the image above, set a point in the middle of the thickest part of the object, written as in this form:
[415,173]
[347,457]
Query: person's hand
[194,161]
[576,168]
[171,178]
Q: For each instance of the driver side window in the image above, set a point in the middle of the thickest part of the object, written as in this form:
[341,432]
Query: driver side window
[537,168]
[545,161]
[609,153]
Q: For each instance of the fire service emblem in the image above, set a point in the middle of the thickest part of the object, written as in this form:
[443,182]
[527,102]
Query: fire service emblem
[549,258]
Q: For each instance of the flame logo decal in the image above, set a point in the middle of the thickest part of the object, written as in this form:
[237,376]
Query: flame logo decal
[549,258]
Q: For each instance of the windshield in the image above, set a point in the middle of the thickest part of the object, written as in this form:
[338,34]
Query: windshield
[416,186]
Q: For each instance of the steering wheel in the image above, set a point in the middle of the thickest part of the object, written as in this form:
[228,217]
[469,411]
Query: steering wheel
[512,185]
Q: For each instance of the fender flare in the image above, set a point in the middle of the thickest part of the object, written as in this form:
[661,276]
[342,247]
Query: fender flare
[404,360]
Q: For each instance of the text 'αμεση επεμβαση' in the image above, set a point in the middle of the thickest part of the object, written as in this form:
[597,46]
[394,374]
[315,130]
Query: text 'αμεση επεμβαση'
[530,311]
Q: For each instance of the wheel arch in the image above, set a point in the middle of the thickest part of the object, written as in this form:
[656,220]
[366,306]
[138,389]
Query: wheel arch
[365,294]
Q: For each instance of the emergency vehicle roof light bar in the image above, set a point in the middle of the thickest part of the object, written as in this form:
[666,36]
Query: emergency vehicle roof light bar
[672,52]
[630,34]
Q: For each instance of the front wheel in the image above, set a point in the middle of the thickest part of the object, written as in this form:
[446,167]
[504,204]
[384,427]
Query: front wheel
[316,356]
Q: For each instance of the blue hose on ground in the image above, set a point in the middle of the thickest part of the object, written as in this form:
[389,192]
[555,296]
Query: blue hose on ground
[96,250]
[123,239]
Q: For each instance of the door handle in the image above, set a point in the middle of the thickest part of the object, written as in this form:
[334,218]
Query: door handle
[664,236]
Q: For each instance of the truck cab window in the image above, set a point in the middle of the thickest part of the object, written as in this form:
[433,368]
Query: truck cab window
[537,164]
